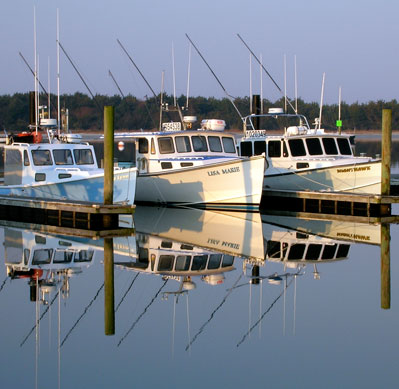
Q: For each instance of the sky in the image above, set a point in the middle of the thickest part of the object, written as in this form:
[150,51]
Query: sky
[354,43]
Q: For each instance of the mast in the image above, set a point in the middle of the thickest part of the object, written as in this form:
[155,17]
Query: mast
[188,74]
[296,86]
[250,83]
[58,74]
[35,78]
[285,83]
[174,75]
[261,86]
[321,100]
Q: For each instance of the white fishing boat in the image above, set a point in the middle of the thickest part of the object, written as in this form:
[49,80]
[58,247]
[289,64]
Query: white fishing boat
[60,171]
[197,168]
[303,158]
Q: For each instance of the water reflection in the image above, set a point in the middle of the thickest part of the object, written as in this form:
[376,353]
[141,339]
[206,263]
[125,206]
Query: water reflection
[176,254]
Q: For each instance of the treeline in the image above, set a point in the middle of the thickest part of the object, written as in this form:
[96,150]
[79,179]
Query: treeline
[131,113]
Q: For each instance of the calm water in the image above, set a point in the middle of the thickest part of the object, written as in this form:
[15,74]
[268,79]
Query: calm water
[232,320]
[202,300]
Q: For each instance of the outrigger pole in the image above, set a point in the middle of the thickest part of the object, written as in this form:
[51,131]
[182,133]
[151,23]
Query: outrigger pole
[214,75]
[80,76]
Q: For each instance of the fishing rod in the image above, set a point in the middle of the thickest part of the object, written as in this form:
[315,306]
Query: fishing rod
[113,79]
[84,82]
[265,70]
[217,79]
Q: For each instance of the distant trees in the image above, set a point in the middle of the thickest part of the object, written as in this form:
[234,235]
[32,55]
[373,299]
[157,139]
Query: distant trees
[131,113]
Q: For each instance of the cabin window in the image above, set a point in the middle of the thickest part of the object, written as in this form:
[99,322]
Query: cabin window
[63,157]
[166,262]
[246,149]
[227,260]
[83,157]
[314,146]
[83,256]
[329,251]
[276,250]
[274,148]
[344,146]
[26,158]
[199,262]
[40,177]
[165,145]
[259,147]
[343,250]
[166,165]
[186,164]
[285,150]
[183,144]
[302,165]
[41,157]
[228,144]
[214,261]
[63,256]
[215,144]
[183,262]
[296,251]
[199,143]
[313,252]
[26,256]
[329,146]
[42,256]
[166,244]
[143,145]
[62,176]
[297,147]
[142,261]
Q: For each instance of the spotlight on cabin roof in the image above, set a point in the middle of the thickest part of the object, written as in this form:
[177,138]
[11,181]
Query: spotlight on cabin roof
[276,111]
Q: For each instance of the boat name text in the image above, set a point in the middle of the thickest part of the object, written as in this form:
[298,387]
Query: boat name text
[354,169]
[224,171]
[230,245]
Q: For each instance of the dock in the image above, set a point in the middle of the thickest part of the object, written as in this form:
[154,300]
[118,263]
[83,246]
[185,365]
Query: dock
[67,214]
[355,205]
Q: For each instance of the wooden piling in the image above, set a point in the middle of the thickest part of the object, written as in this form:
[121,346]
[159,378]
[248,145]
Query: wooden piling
[385,267]
[109,304]
[386,144]
[108,159]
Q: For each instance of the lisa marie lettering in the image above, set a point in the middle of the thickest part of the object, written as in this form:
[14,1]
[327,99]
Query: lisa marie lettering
[223,171]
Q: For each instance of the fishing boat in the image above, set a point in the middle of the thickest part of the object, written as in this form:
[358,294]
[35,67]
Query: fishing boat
[60,168]
[195,167]
[305,158]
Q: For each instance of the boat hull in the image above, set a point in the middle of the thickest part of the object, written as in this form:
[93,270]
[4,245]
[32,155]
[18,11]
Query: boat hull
[356,178]
[236,184]
[90,188]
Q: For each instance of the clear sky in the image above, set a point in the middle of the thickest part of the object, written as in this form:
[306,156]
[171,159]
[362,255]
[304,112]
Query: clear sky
[353,42]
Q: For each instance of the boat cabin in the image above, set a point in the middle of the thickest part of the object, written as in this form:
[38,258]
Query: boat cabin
[24,163]
[163,151]
[166,257]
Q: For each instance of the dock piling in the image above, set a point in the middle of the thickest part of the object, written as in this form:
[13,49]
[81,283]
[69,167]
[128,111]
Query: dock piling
[386,144]
[108,159]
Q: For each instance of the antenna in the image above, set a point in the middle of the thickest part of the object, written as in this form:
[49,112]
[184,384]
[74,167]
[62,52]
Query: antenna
[250,83]
[261,86]
[174,75]
[285,83]
[48,79]
[264,69]
[35,55]
[160,111]
[321,100]
[188,73]
[214,75]
[339,123]
[296,86]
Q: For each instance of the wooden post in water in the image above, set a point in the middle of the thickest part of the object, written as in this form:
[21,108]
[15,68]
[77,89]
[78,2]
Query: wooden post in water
[108,160]
[385,267]
[109,311]
[386,144]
